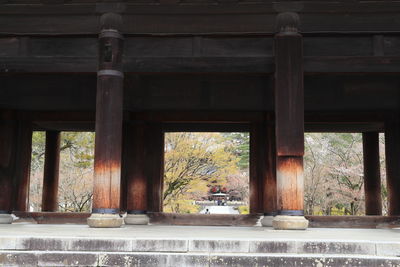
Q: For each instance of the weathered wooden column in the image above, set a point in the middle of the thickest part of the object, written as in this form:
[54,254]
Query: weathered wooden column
[269,198]
[154,166]
[136,181]
[257,167]
[15,160]
[109,115]
[289,113]
[392,150]
[51,171]
[23,161]
[372,174]
[8,133]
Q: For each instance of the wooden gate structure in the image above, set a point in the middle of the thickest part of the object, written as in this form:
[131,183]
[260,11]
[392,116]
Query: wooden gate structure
[132,69]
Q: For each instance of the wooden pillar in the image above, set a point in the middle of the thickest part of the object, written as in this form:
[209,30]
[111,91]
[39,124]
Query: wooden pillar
[155,166]
[257,157]
[23,163]
[289,112]
[270,171]
[15,155]
[392,150]
[51,172]
[8,145]
[136,181]
[109,116]
[372,174]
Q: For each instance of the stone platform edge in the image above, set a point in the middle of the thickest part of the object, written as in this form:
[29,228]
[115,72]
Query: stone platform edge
[70,244]
[57,258]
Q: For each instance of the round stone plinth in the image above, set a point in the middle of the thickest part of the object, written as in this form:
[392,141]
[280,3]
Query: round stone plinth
[137,219]
[6,218]
[97,220]
[281,222]
[266,221]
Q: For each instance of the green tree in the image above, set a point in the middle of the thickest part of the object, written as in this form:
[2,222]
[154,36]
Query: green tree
[240,146]
[193,162]
[76,170]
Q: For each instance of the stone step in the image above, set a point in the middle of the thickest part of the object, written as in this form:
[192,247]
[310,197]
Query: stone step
[293,246]
[85,258]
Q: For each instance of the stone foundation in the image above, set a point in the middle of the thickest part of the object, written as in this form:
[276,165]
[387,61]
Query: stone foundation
[137,219]
[6,218]
[97,220]
[266,221]
[281,222]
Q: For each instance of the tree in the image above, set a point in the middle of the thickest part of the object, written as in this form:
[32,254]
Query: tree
[76,171]
[193,162]
[240,145]
[334,173]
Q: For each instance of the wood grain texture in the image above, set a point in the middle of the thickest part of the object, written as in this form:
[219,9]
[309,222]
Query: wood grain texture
[109,117]
[270,190]
[136,180]
[199,17]
[372,174]
[108,143]
[51,172]
[289,95]
[8,142]
[290,183]
[154,166]
[23,161]
[257,154]
[392,151]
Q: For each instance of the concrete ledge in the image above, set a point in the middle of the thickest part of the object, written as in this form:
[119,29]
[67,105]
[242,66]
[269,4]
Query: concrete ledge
[219,246]
[298,246]
[99,244]
[159,245]
[42,258]
[335,247]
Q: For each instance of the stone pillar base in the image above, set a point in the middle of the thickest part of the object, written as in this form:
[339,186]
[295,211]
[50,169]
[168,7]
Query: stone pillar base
[266,221]
[99,220]
[6,219]
[137,219]
[281,222]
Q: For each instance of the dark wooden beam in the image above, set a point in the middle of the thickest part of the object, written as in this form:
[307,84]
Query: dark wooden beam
[353,127]
[134,167]
[289,115]
[372,174]
[23,161]
[15,150]
[201,54]
[8,144]
[187,116]
[392,150]
[352,64]
[257,156]
[176,18]
[217,64]
[209,92]
[51,172]
[269,179]
[154,165]
[109,117]
[206,127]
